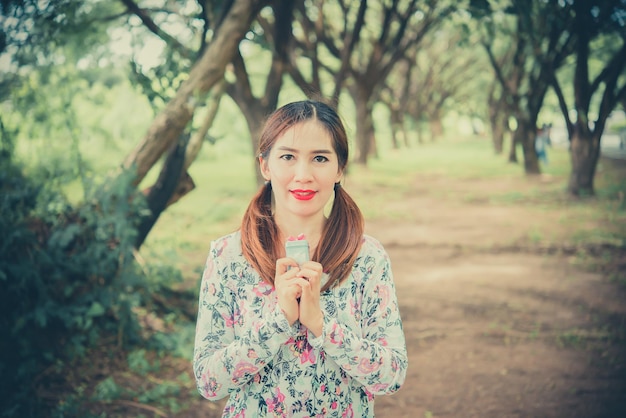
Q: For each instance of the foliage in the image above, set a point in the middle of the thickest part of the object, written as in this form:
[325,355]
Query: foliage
[68,277]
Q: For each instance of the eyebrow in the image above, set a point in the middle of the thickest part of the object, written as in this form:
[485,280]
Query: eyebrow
[318,151]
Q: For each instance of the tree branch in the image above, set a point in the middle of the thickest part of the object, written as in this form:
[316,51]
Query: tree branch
[154,28]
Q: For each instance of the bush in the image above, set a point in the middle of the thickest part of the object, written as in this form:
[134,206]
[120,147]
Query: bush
[68,278]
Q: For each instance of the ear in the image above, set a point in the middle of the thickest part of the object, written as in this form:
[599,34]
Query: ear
[265,170]
[339,176]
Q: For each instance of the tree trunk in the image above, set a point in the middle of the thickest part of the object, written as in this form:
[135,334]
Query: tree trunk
[497,133]
[159,194]
[208,70]
[527,133]
[419,128]
[513,149]
[364,130]
[167,129]
[498,122]
[396,127]
[255,125]
[584,154]
[185,182]
[436,128]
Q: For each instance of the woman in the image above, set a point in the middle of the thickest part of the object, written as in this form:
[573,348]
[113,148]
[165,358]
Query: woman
[319,338]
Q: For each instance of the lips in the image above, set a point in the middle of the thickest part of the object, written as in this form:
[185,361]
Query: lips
[303,194]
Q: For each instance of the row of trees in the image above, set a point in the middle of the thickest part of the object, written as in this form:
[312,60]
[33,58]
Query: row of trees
[496,60]
[493,59]
[421,58]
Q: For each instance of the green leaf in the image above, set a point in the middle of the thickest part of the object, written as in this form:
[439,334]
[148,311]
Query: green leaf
[96,309]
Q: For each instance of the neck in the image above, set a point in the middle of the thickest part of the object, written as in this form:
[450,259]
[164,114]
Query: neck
[310,228]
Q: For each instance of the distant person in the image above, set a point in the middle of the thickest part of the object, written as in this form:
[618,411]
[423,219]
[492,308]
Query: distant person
[542,142]
[284,338]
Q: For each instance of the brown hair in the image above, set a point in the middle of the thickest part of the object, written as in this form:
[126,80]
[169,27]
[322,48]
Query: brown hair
[343,231]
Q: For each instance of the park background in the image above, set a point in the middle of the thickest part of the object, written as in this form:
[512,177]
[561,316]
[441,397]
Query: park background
[128,137]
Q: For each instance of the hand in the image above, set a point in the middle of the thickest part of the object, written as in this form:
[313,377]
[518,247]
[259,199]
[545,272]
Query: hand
[311,315]
[288,288]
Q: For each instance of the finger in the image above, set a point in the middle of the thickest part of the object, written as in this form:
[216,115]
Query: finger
[289,291]
[285,264]
[313,265]
[300,282]
[312,276]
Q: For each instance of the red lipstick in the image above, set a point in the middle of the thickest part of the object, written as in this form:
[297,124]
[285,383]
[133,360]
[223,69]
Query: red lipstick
[303,194]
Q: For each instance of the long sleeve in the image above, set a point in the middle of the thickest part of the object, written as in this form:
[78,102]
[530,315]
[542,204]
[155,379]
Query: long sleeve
[376,355]
[232,346]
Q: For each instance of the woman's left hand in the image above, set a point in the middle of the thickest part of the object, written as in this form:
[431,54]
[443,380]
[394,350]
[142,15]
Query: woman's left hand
[311,315]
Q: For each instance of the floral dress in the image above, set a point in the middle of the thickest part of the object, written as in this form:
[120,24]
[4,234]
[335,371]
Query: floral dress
[246,349]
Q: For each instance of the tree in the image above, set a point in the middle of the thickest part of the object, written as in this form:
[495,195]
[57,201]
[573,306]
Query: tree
[167,132]
[444,77]
[597,27]
[499,120]
[273,33]
[402,26]
[362,43]
[541,38]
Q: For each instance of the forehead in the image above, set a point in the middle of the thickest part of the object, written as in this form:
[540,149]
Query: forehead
[306,136]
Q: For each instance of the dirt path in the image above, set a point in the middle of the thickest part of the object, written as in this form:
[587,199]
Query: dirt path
[496,326]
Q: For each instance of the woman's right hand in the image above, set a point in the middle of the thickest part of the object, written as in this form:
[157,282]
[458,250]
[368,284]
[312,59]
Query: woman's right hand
[288,289]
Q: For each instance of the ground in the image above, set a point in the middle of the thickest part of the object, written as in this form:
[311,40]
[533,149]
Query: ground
[505,316]
[496,324]
[499,325]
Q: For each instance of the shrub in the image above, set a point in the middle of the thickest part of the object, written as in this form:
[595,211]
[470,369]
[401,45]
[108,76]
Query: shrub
[68,278]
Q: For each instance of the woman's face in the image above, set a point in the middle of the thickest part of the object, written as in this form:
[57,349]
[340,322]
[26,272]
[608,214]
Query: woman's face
[303,168]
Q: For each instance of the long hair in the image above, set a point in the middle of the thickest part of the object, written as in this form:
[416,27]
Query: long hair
[343,231]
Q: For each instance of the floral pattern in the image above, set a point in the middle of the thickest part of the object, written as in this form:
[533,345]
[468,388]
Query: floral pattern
[246,349]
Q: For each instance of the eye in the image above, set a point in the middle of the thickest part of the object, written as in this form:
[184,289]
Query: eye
[320,159]
[287,157]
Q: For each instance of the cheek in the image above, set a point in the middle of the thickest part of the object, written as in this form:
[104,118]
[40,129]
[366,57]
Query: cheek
[280,176]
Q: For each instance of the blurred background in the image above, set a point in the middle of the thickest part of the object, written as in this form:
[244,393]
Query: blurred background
[128,137]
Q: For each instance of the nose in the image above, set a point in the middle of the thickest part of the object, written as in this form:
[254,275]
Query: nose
[303,171]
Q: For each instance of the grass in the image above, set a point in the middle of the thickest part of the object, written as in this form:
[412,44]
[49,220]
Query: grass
[442,170]
[225,183]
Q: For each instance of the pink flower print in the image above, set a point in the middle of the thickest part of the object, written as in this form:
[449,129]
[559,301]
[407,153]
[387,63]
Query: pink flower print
[257,326]
[333,405]
[378,387]
[336,335]
[210,387]
[298,344]
[383,294]
[239,314]
[323,388]
[252,353]
[263,289]
[221,246]
[366,366]
[230,321]
[348,413]
[243,369]
[240,414]
[307,355]
[301,348]
[355,309]
[276,404]
[211,289]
